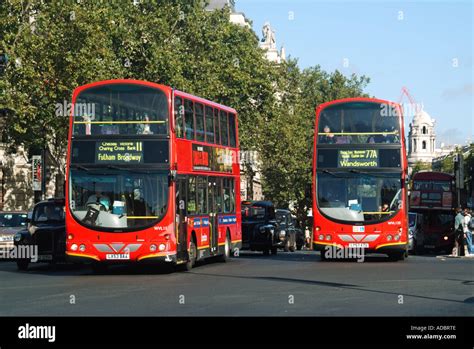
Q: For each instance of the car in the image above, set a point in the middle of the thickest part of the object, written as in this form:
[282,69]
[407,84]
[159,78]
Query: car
[260,230]
[415,232]
[10,224]
[47,230]
[287,230]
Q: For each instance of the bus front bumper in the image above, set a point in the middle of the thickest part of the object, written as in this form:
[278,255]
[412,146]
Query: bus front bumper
[382,248]
[152,258]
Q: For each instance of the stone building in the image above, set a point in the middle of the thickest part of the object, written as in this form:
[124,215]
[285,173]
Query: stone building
[421,139]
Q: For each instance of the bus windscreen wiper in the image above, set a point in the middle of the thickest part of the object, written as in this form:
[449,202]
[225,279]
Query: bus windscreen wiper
[331,173]
[80,167]
[112,167]
[373,174]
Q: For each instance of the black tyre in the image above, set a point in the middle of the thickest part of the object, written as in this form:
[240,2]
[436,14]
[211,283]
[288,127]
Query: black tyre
[192,256]
[22,264]
[99,268]
[227,250]
[396,256]
[323,256]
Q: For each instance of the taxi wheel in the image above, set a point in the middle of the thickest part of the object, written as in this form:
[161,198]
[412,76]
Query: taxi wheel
[22,264]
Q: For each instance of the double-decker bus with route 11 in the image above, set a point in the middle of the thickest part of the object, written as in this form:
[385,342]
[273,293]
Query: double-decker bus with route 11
[152,176]
[433,195]
[359,178]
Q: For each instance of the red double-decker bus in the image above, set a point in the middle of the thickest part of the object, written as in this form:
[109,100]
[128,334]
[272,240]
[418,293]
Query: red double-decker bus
[152,176]
[359,178]
[433,195]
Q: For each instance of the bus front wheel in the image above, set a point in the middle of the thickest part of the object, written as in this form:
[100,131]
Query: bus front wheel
[398,256]
[192,256]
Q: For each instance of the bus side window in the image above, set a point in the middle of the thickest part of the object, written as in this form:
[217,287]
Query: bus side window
[228,207]
[199,122]
[202,195]
[191,204]
[209,125]
[219,195]
[224,128]
[189,118]
[232,129]
[217,125]
[178,116]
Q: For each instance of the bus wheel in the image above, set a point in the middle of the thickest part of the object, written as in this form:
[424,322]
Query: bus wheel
[399,256]
[226,256]
[99,268]
[22,264]
[192,256]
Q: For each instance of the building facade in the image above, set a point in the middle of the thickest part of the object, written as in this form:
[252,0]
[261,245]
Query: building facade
[421,139]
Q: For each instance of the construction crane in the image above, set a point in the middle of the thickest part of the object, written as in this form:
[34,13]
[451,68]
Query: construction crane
[413,104]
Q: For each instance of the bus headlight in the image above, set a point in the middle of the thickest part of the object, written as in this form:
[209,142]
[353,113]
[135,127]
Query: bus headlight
[17,237]
[445,238]
[153,248]
[389,237]
[328,237]
[82,248]
[162,247]
[74,247]
[397,237]
[70,236]
[321,237]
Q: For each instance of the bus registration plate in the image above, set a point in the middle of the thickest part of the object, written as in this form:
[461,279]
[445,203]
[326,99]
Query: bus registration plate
[116,256]
[359,245]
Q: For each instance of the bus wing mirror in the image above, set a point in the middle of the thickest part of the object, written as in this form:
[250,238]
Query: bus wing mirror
[172,177]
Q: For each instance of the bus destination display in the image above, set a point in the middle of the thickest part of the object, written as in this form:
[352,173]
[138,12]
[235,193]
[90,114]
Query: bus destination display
[358,158]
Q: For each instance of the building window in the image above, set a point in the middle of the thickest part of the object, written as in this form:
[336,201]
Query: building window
[424,131]
[423,145]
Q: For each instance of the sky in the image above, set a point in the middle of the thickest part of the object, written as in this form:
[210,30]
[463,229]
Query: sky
[426,46]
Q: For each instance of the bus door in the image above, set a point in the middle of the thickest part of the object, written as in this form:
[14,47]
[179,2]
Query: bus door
[213,211]
[181,226]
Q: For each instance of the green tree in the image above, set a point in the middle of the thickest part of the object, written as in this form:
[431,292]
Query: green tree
[171,42]
[287,145]
[420,166]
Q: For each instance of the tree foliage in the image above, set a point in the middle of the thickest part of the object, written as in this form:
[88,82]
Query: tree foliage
[287,149]
[55,46]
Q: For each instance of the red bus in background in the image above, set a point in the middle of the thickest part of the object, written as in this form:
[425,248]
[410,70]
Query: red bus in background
[153,176]
[433,195]
[359,178]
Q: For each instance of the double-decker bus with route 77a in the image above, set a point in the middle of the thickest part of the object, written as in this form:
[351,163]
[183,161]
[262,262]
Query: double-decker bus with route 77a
[359,179]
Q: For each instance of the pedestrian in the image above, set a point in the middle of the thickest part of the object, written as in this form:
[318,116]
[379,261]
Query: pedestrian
[459,233]
[468,231]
